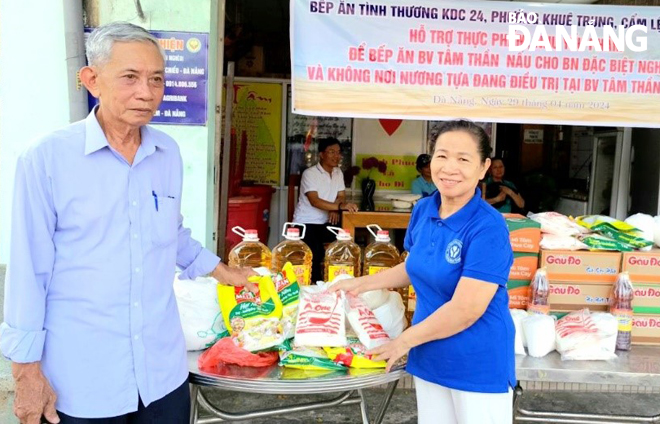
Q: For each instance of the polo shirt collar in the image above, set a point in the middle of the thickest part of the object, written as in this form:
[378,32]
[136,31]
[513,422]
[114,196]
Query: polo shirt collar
[95,138]
[462,216]
[323,171]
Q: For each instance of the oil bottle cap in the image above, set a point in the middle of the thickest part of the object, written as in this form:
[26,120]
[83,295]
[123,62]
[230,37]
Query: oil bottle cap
[251,235]
[343,235]
[292,234]
[383,235]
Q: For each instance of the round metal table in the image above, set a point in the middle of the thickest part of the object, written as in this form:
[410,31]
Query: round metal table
[282,381]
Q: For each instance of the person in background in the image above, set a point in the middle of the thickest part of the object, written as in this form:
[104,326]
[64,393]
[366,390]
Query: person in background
[500,193]
[322,198]
[91,323]
[460,345]
[423,184]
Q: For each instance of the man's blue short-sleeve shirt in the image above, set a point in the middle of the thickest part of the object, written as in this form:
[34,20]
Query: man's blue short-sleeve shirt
[474,243]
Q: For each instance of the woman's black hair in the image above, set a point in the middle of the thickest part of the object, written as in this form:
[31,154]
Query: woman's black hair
[324,143]
[423,160]
[480,136]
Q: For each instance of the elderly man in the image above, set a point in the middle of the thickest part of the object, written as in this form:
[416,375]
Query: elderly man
[91,323]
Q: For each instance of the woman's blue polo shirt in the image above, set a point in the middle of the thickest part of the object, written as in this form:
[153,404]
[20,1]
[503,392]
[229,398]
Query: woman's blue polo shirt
[474,243]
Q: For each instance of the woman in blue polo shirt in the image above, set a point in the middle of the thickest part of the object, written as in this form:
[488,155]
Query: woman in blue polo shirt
[460,344]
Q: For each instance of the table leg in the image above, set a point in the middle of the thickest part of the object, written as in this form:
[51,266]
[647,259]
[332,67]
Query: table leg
[194,405]
[391,387]
[363,407]
[517,395]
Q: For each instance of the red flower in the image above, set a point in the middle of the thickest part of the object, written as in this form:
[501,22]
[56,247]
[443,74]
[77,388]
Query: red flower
[382,167]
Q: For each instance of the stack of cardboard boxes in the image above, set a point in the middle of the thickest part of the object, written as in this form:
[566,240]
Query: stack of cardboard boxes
[580,279]
[525,236]
[644,271]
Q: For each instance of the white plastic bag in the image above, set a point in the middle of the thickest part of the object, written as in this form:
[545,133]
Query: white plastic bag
[392,315]
[644,223]
[582,335]
[656,231]
[518,315]
[540,334]
[199,311]
[555,242]
[321,318]
[373,298]
[557,224]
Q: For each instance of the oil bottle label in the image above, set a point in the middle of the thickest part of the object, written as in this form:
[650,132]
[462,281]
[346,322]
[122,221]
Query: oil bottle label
[376,269]
[336,270]
[624,317]
[302,274]
[412,299]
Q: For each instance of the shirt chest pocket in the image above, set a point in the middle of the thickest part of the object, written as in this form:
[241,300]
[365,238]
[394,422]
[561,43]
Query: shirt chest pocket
[164,220]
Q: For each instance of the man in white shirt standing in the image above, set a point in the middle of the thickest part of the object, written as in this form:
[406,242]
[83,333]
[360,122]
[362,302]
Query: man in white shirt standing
[322,197]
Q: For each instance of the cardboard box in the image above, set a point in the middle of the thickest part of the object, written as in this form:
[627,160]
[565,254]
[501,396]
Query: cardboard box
[643,267]
[646,330]
[524,266]
[647,298]
[518,293]
[572,296]
[583,267]
[524,233]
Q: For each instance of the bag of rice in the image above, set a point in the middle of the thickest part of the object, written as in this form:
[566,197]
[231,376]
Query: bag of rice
[364,322]
[321,318]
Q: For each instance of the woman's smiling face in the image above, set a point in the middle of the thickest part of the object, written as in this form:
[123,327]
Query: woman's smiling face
[456,166]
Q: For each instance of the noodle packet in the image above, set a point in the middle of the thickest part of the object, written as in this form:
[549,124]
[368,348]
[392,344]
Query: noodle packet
[253,320]
[306,358]
[618,231]
[288,291]
[354,355]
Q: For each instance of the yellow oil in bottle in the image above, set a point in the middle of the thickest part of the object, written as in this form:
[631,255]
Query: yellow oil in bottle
[296,251]
[381,254]
[342,257]
[408,294]
[250,252]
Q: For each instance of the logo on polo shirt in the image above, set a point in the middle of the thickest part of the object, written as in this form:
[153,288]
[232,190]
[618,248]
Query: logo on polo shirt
[453,252]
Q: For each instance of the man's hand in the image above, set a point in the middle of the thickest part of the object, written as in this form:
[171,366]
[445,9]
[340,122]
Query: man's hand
[234,276]
[33,395]
[333,217]
[350,207]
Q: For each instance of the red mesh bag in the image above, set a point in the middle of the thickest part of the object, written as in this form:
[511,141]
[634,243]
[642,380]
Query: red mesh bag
[225,351]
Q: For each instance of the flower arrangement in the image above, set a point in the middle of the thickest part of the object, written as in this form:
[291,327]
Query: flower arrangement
[371,163]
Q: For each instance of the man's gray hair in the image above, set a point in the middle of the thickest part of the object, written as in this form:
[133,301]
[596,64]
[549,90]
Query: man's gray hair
[100,41]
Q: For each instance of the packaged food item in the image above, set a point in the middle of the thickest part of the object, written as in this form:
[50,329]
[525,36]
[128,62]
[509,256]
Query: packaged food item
[288,291]
[599,242]
[583,267]
[342,256]
[354,355]
[616,230]
[404,290]
[646,330]
[412,303]
[381,254]
[524,266]
[518,293]
[621,307]
[557,224]
[572,296]
[392,315]
[294,250]
[538,293]
[321,318]
[582,335]
[364,323]
[643,267]
[555,242]
[524,233]
[253,320]
[306,358]
[250,252]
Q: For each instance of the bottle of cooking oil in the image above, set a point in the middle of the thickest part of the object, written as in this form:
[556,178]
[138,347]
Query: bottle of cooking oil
[408,294]
[381,254]
[250,252]
[294,250]
[342,256]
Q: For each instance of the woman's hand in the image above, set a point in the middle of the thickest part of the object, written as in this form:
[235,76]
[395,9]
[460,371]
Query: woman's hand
[507,191]
[354,286]
[392,352]
[502,196]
